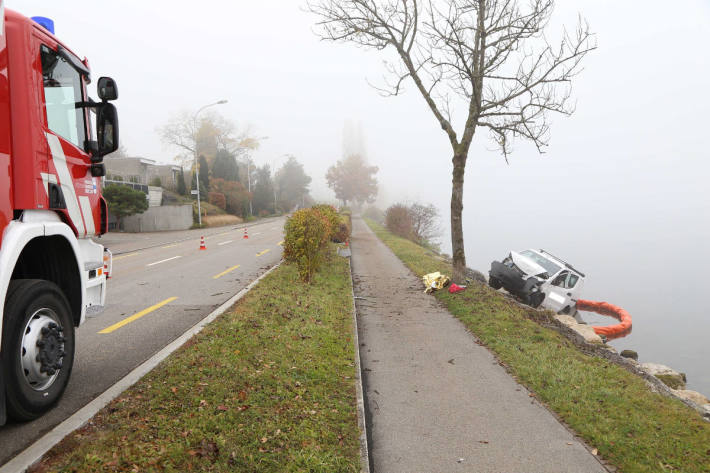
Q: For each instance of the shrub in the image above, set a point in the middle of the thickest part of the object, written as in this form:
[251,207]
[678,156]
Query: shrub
[156,182]
[373,213]
[398,220]
[343,229]
[329,212]
[264,213]
[218,199]
[307,232]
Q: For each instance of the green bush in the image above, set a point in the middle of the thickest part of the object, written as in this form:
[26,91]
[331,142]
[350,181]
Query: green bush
[307,232]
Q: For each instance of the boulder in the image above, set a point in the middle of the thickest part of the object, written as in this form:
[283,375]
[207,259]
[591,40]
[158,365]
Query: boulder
[474,275]
[630,354]
[586,331]
[566,320]
[693,396]
[669,376]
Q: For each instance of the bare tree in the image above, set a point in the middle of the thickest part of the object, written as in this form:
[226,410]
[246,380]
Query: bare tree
[425,222]
[204,135]
[491,56]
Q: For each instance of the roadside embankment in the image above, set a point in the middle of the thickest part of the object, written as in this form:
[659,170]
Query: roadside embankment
[268,386]
[632,427]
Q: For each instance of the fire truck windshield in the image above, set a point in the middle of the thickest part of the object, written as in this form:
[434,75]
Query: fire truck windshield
[62,91]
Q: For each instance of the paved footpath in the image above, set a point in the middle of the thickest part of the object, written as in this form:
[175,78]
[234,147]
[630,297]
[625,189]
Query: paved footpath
[437,401]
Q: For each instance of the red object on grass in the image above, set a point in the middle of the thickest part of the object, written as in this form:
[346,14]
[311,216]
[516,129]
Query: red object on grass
[454,288]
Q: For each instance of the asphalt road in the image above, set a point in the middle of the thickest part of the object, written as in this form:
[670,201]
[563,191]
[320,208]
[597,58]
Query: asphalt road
[162,284]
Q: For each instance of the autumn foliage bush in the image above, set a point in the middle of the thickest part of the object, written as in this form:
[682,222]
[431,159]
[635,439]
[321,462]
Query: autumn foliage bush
[398,220]
[218,199]
[307,233]
[340,225]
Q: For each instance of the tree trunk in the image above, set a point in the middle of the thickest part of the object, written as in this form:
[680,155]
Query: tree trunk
[457,248]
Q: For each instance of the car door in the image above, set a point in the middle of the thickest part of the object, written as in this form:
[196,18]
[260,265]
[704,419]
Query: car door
[557,295]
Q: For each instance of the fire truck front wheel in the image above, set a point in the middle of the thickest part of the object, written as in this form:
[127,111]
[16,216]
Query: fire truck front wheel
[38,347]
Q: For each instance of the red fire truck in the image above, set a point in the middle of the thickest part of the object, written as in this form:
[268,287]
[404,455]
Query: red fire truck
[52,275]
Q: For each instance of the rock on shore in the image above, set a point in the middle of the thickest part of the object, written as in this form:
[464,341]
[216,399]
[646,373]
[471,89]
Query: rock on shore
[586,331]
[669,376]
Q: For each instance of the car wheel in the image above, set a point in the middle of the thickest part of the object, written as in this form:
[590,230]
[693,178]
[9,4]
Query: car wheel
[38,347]
[495,283]
[535,299]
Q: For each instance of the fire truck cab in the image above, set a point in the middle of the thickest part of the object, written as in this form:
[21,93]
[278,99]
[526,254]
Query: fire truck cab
[52,141]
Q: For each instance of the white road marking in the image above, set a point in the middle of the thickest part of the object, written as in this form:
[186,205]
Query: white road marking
[163,261]
[224,242]
[257,233]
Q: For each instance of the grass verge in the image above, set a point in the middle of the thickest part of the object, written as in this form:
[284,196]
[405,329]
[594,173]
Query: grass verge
[268,387]
[612,409]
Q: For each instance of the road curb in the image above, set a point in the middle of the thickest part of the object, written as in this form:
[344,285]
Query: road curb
[34,452]
[364,448]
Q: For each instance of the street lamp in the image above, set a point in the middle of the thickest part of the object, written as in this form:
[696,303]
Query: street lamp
[197,168]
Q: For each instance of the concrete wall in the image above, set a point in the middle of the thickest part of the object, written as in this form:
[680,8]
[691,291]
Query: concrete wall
[155,219]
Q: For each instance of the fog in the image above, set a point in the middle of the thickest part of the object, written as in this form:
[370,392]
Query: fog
[621,192]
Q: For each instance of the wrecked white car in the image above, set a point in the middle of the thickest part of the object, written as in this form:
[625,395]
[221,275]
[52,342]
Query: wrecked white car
[539,279]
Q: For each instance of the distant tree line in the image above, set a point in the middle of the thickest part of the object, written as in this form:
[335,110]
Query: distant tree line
[228,177]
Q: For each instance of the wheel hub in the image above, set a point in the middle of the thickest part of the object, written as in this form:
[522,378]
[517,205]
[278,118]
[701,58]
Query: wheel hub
[42,349]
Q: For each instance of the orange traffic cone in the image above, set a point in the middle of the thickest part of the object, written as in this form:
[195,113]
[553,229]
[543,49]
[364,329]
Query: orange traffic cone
[202,243]
[246,235]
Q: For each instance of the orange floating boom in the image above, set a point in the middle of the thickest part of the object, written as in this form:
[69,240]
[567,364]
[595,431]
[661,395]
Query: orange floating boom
[604,308]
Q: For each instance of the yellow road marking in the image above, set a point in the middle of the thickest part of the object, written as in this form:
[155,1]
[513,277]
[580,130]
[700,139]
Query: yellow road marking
[116,258]
[169,246]
[281,243]
[225,272]
[262,253]
[223,233]
[136,316]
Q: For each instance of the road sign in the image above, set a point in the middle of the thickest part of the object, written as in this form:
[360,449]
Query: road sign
[193,192]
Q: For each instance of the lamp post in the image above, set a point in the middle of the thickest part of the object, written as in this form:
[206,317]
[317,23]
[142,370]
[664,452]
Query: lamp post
[197,168]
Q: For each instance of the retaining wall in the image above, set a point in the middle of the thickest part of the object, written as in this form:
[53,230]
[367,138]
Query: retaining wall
[155,219]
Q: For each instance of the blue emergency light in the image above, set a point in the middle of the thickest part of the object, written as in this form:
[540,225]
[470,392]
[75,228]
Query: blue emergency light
[45,23]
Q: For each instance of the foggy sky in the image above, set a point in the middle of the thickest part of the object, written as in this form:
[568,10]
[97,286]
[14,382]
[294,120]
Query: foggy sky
[622,190]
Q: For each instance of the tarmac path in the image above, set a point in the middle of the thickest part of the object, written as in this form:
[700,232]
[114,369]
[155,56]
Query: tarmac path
[436,400]
[161,285]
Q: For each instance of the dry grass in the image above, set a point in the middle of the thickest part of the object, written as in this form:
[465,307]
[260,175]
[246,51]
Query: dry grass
[220,220]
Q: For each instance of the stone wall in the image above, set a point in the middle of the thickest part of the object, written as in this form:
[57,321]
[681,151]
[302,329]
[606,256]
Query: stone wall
[156,219]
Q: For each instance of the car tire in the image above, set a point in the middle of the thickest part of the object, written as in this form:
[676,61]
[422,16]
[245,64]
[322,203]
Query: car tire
[38,347]
[535,299]
[495,283]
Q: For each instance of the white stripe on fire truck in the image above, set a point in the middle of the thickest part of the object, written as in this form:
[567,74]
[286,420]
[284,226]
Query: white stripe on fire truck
[88,215]
[65,180]
[47,178]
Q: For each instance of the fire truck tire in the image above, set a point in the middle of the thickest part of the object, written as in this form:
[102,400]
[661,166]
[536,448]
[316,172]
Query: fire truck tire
[38,347]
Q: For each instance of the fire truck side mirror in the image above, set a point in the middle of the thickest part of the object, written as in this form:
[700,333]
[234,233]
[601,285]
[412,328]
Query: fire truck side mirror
[106,130]
[107,89]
